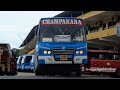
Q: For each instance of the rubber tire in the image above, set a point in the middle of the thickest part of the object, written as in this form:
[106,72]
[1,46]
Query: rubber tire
[118,72]
[37,73]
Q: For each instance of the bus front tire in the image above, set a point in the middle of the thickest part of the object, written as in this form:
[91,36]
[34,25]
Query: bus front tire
[118,72]
[37,73]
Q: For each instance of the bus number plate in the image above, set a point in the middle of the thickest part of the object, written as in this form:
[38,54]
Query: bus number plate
[63,57]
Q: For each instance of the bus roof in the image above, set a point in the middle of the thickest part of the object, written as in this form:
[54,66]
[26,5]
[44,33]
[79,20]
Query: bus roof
[4,43]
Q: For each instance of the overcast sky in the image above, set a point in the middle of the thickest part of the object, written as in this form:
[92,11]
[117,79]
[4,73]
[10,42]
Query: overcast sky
[15,25]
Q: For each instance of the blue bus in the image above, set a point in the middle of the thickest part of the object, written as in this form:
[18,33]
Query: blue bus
[25,63]
[19,63]
[61,46]
[32,64]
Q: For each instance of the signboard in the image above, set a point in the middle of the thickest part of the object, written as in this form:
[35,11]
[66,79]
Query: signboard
[118,31]
[46,39]
[47,22]
[62,38]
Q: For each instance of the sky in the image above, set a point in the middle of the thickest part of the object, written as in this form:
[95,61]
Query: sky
[15,25]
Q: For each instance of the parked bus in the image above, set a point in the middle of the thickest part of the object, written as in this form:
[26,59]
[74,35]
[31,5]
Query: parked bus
[103,61]
[25,63]
[61,46]
[32,64]
[7,60]
[19,62]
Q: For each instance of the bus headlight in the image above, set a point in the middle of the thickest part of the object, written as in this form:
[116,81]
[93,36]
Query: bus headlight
[81,52]
[49,52]
[45,52]
[77,52]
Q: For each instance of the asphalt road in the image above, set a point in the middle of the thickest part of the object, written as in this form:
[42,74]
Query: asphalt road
[28,75]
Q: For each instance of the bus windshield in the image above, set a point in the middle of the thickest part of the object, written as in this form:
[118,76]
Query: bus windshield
[19,59]
[62,33]
[104,55]
[28,59]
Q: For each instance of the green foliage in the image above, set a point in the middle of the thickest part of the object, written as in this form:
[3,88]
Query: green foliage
[15,51]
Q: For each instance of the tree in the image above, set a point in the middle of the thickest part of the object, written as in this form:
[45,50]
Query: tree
[15,51]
